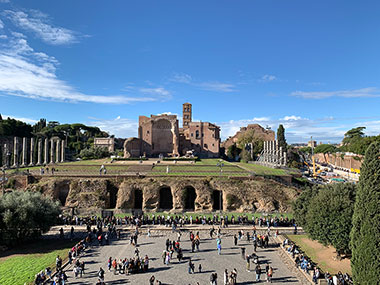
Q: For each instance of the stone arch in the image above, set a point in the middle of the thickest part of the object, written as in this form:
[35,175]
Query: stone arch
[138,198]
[63,193]
[166,198]
[112,192]
[217,200]
[189,197]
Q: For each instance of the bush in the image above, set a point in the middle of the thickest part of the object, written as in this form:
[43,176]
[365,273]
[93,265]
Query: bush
[25,215]
[94,153]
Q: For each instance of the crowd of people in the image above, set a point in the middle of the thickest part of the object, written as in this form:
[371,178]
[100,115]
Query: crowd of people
[304,263]
[181,220]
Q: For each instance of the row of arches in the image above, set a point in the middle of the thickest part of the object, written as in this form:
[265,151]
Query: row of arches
[188,198]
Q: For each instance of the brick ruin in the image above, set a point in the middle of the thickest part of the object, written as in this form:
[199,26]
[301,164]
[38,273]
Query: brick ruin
[161,135]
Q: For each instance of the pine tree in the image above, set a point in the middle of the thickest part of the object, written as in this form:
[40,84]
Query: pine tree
[281,137]
[365,234]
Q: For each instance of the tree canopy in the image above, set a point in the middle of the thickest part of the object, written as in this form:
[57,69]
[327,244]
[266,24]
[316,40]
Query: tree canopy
[365,235]
[281,137]
[25,215]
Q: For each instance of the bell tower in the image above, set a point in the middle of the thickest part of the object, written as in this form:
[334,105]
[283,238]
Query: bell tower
[186,111]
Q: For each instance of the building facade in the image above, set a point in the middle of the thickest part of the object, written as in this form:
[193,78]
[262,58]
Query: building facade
[161,135]
[108,143]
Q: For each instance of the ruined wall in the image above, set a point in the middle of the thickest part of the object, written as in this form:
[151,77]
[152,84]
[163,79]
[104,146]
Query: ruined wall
[166,193]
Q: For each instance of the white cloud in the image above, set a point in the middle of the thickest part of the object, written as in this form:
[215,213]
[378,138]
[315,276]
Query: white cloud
[217,86]
[207,85]
[3,37]
[38,23]
[297,129]
[120,127]
[355,93]
[155,91]
[30,74]
[267,78]
[4,1]
[26,120]
[181,78]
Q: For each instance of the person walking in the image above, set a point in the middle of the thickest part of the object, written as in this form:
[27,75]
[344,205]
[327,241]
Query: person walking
[235,240]
[225,277]
[190,266]
[81,266]
[258,272]
[270,275]
[219,245]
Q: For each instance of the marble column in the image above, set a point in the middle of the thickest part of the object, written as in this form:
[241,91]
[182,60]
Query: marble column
[15,152]
[281,158]
[57,150]
[46,151]
[23,163]
[51,151]
[63,151]
[39,149]
[31,163]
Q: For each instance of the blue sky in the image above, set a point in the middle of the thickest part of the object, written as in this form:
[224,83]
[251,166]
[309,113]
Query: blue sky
[312,66]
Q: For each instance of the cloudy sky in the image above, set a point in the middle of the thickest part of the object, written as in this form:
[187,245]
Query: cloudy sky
[312,66]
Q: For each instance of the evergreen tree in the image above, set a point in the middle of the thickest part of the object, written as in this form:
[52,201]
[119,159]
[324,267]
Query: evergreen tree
[281,137]
[365,234]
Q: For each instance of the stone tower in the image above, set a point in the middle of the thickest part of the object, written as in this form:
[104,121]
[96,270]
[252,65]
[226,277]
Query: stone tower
[186,114]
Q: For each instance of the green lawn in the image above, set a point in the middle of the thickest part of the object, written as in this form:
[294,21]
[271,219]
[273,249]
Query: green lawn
[261,170]
[20,268]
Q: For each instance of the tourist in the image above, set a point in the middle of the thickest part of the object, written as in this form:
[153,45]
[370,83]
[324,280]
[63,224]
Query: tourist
[146,263]
[225,277]
[167,258]
[270,275]
[101,274]
[219,245]
[213,279]
[151,280]
[190,266]
[200,268]
[258,272]
[248,261]
[235,240]
[163,256]
[242,252]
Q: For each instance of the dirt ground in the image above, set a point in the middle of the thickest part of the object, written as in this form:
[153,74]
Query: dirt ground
[324,256]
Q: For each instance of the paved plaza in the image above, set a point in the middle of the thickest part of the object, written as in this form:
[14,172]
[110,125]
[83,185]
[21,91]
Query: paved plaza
[177,272]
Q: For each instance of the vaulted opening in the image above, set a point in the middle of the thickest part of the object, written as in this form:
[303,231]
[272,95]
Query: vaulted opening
[166,198]
[138,198]
[189,196]
[217,198]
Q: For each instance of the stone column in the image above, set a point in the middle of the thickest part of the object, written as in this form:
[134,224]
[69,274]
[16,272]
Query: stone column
[46,151]
[281,158]
[31,152]
[51,151]
[39,149]
[15,152]
[57,151]
[285,158]
[63,151]
[23,152]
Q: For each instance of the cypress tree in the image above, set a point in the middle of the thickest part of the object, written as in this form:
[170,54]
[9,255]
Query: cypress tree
[281,137]
[365,234]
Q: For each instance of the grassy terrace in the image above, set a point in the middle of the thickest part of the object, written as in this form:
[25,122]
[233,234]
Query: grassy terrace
[322,255]
[20,266]
[204,167]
